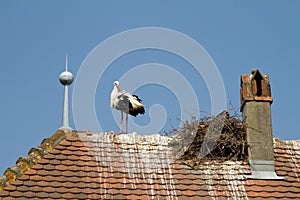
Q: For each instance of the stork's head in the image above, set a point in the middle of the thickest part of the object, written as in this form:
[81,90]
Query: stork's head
[116,84]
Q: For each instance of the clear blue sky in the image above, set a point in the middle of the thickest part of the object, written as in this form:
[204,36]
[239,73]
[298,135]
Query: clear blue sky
[238,35]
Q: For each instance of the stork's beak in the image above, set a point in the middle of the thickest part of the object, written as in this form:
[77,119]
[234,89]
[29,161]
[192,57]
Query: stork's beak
[118,87]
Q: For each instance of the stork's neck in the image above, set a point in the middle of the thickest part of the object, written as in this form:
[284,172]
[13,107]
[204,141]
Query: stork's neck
[115,92]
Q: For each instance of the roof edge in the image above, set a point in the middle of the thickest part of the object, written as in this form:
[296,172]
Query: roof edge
[35,154]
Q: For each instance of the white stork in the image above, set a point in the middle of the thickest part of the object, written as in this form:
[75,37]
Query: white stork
[125,102]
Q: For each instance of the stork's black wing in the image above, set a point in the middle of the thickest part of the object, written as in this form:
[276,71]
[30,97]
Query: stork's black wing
[123,103]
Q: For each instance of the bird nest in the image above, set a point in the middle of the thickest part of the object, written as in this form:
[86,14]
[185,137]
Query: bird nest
[220,138]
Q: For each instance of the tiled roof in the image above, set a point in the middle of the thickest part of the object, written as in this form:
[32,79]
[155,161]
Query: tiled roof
[82,165]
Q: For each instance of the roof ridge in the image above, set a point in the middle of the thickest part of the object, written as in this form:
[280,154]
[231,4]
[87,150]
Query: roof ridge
[35,154]
[277,142]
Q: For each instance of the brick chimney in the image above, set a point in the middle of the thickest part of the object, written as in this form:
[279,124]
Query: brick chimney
[256,100]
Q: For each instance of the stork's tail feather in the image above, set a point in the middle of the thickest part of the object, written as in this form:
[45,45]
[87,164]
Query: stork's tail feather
[136,107]
[137,98]
[137,110]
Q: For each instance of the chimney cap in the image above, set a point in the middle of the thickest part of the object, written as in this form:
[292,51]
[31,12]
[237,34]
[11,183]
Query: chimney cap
[255,87]
[256,73]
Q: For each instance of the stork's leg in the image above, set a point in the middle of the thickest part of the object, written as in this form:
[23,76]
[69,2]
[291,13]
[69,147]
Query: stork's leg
[121,122]
[126,122]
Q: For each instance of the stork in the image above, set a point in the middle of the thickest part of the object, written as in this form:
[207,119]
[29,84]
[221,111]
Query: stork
[126,103]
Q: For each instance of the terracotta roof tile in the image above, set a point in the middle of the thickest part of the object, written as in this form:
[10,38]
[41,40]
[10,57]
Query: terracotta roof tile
[29,183]
[55,195]
[11,188]
[60,147]
[36,189]
[41,195]
[42,183]
[60,157]
[43,161]
[66,162]
[54,162]
[81,165]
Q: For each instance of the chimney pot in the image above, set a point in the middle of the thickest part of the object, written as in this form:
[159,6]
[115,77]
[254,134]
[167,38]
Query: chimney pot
[256,100]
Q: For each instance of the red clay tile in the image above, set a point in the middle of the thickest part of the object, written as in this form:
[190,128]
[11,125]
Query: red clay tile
[72,148]
[11,188]
[49,178]
[83,163]
[30,183]
[56,195]
[184,182]
[24,177]
[49,167]
[37,166]
[76,179]
[74,190]
[120,196]
[295,184]
[36,189]
[98,196]
[49,189]
[188,193]
[55,151]
[68,173]
[60,147]
[43,161]
[43,195]
[4,193]
[61,190]
[82,185]
[181,197]
[73,157]
[92,190]
[85,158]
[60,157]
[42,172]
[16,194]
[81,196]
[55,162]
[18,182]
[56,184]
[67,162]
[292,179]
[93,174]
[65,143]
[23,188]
[77,144]
[49,156]
[292,195]
[68,184]
[61,167]
[8,198]
[73,138]
[67,152]
[42,183]
[68,196]
[182,187]
[75,168]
